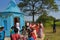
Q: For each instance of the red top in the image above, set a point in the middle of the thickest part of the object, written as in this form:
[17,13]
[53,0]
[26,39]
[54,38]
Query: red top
[34,35]
[15,36]
[37,29]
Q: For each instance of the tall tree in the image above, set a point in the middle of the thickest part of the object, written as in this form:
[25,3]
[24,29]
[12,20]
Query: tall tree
[45,18]
[33,7]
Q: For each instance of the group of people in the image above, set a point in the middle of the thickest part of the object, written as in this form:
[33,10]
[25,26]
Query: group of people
[35,30]
[15,33]
[29,32]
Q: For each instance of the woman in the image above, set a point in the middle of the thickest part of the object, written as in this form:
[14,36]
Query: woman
[41,31]
[15,36]
[18,27]
[34,33]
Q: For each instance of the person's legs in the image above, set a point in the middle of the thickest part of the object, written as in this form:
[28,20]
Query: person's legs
[54,30]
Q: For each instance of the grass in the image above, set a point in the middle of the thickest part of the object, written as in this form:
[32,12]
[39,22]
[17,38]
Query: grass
[50,35]
[50,23]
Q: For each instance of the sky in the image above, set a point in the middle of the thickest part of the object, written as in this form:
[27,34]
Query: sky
[4,4]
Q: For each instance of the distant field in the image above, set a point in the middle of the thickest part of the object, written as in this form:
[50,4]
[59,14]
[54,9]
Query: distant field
[50,35]
[50,23]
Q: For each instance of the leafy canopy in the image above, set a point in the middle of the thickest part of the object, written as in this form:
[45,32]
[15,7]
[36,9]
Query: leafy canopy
[38,6]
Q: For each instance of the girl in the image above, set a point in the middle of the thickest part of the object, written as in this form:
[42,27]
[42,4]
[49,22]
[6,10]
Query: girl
[16,36]
[41,31]
[30,37]
[34,34]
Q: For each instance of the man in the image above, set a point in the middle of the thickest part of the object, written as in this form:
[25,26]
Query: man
[54,27]
[18,27]
[2,33]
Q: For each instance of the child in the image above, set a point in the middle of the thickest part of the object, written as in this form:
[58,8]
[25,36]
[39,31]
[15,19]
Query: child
[34,34]
[30,37]
[12,30]
[23,33]
[41,31]
[18,27]
[2,33]
[15,36]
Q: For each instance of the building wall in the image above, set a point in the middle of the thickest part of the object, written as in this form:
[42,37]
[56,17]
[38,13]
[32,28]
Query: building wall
[10,22]
[8,26]
[0,21]
[5,22]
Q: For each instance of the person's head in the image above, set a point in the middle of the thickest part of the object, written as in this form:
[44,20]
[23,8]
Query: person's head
[28,24]
[17,24]
[32,23]
[39,23]
[12,27]
[15,30]
[30,35]
[1,28]
[22,26]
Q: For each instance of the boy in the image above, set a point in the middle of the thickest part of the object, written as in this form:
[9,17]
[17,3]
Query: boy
[2,33]
[30,37]
[12,30]
[15,36]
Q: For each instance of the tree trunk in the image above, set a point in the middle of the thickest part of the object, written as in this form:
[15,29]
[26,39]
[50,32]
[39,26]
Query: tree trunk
[33,13]
[33,17]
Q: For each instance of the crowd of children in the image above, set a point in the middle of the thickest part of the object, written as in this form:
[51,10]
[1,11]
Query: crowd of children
[35,30]
[31,29]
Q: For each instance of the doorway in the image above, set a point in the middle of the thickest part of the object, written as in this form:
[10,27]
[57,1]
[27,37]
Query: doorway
[16,19]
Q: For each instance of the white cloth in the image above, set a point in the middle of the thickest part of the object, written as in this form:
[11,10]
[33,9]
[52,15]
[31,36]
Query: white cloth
[18,30]
[17,26]
[41,25]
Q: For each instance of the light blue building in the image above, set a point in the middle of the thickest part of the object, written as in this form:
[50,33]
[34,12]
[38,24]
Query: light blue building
[10,16]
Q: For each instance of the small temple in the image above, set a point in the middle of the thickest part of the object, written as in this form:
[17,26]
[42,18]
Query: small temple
[11,16]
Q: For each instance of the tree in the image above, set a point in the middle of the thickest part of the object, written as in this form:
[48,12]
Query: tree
[33,7]
[45,18]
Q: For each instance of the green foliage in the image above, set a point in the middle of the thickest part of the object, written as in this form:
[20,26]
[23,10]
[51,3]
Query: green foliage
[33,7]
[44,18]
[58,23]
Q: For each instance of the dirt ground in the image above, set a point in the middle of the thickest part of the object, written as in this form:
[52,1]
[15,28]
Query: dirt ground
[8,38]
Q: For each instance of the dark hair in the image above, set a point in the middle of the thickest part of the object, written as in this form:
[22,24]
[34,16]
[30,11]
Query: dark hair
[30,35]
[1,27]
[22,26]
[12,27]
[15,30]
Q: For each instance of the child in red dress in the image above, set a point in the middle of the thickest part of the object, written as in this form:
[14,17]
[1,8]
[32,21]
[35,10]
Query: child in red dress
[15,36]
[34,33]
